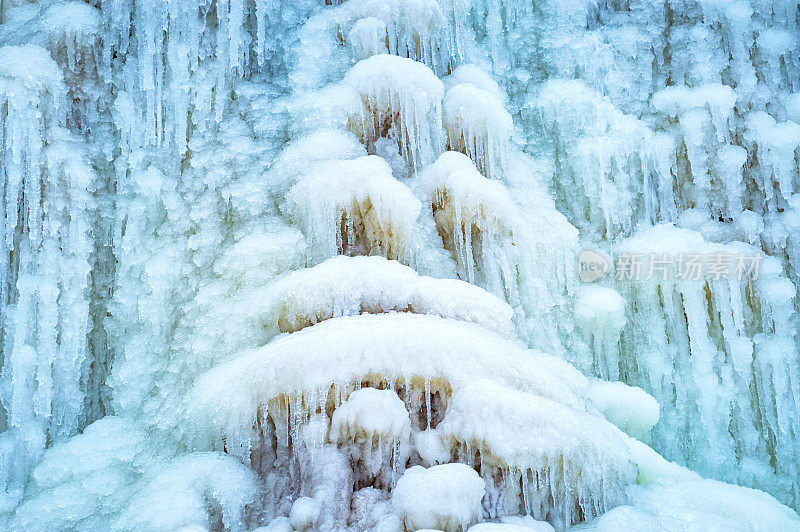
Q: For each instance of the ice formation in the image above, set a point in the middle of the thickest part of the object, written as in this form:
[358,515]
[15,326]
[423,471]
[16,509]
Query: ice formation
[46,249]
[523,525]
[523,473]
[494,244]
[445,497]
[311,265]
[354,207]
[753,320]
[600,317]
[478,125]
[348,286]
[402,98]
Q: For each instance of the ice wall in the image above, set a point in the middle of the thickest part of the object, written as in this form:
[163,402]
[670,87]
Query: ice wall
[311,265]
[670,112]
[47,253]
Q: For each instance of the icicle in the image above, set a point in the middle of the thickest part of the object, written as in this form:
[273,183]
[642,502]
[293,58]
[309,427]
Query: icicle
[478,125]
[406,94]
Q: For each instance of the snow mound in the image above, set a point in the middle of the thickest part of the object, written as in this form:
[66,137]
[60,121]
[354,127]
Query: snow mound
[476,76]
[289,380]
[696,505]
[368,37]
[343,286]
[445,497]
[72,18]
[517,525]
[630,408]
[521,258]
[353,207]
[370,414]
[306,370]
[374,427]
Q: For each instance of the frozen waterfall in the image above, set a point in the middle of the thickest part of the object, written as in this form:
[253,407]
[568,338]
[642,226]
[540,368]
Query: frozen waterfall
[399,265]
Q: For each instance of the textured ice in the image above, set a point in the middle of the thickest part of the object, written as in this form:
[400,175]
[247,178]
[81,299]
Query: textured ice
[332,107]
[354,207]
[776,145]
[702,117]
[476,76]
[600,316]
[86,481]
[179,494]
[45,269]
[298,156]
[621,168]
[416,29]
[750,316]
[248,282]
[478,125]
[492,239]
